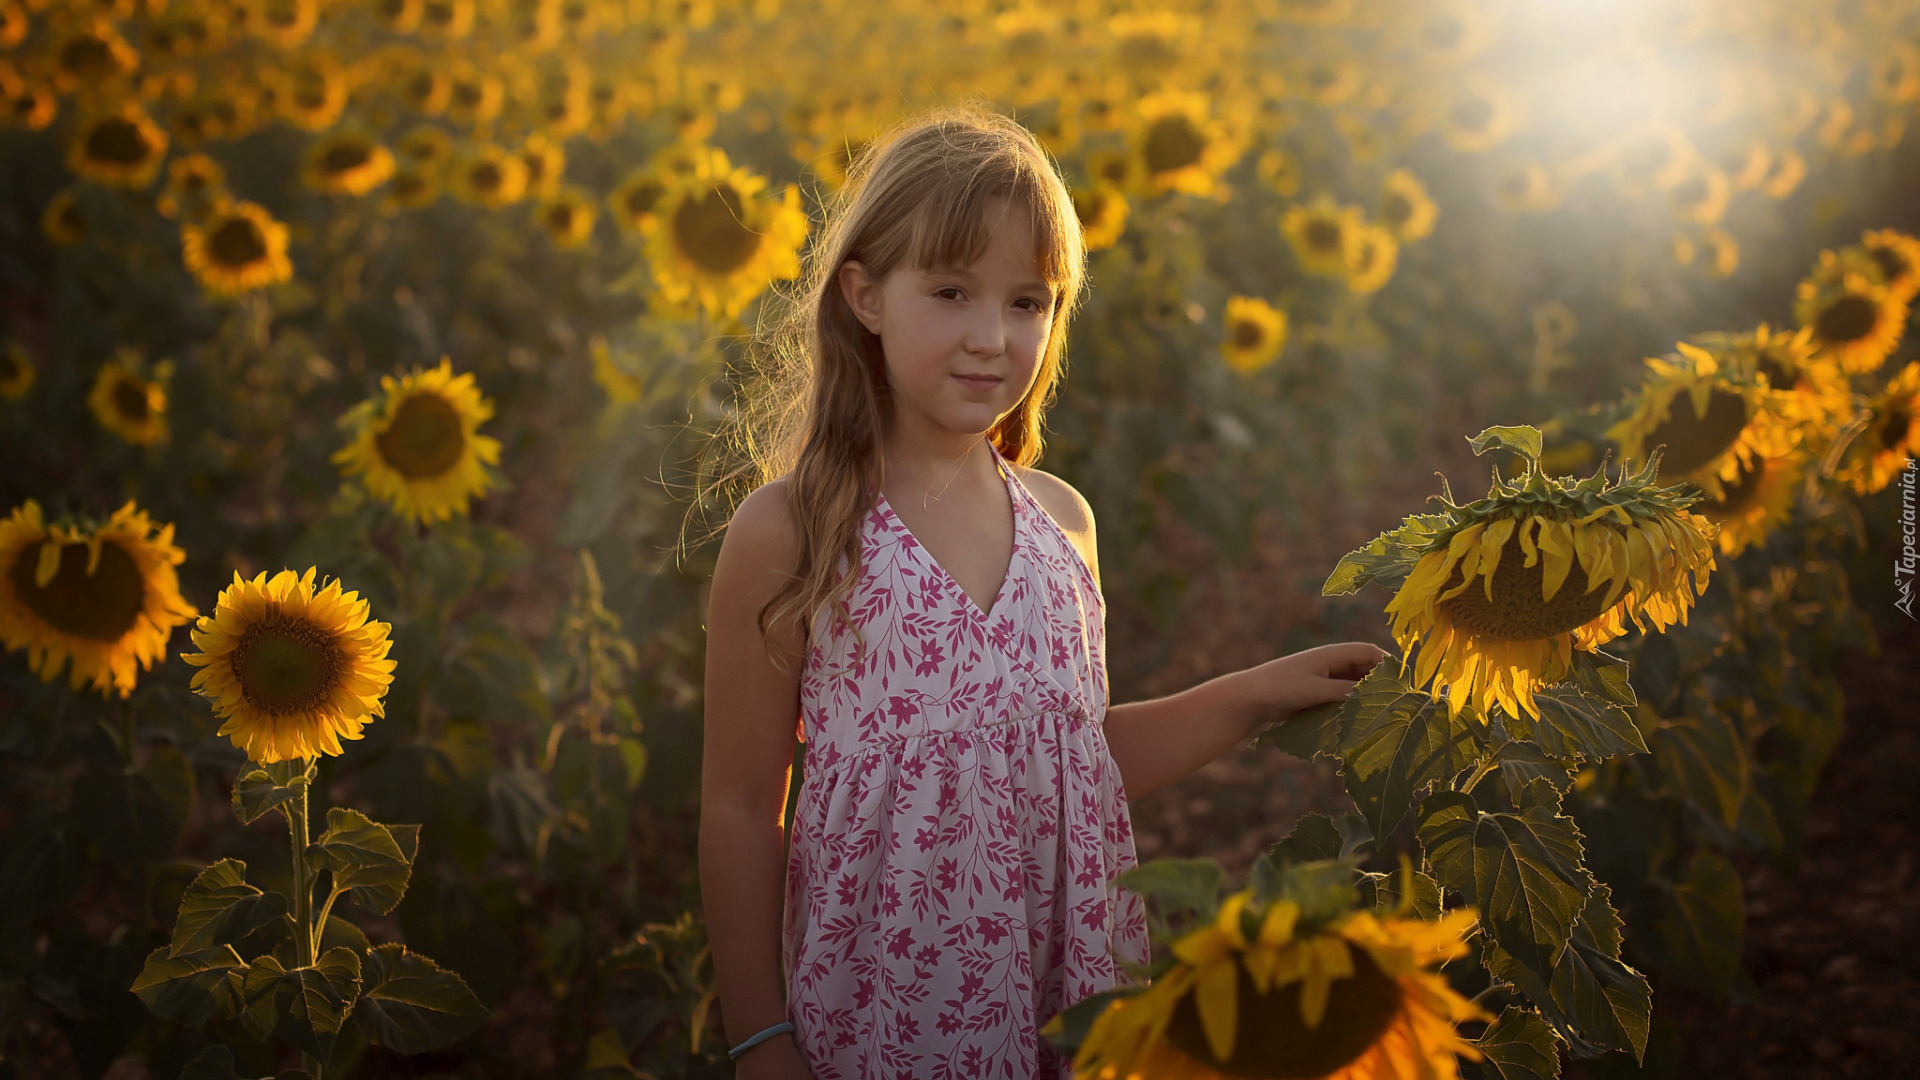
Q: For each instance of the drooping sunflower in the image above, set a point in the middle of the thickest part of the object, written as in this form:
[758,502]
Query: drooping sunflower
[417,444]
[1855,319]
[106,597]
[487,174]
[127,403]
[1283,991]
[237,247]
[1812,391]
[1182,142]
[1755,502]
[346,162]
[1898,257]
[719,241]
[1325,237]
[290,669]
[1255,332]
[122,148]
[16,372]
[1405,207]
[1505,588]
[567,217]
[1374,263]
[1102,210]
[1891,437]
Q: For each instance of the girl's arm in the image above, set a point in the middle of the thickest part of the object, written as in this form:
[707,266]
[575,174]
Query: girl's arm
[1157,742]
[752,707]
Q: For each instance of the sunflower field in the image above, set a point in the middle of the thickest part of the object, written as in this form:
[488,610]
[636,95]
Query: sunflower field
[361,361]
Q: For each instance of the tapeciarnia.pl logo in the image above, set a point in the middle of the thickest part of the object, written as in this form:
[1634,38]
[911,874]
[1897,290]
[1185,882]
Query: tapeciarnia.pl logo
[1905,565]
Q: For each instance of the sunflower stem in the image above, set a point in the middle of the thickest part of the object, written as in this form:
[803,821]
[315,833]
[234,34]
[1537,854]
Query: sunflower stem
[302,884]
[1487,764]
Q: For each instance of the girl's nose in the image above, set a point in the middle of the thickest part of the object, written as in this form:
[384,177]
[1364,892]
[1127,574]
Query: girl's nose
[987,336]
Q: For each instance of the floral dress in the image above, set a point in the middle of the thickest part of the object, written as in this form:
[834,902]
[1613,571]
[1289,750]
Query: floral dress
[961,819]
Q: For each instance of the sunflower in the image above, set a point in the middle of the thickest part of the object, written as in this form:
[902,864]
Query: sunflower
[417,445]
[1789,169]
[561,104]
[1815,392]
[635,203]
[292,671]
[399,16]
[567,216]
[128,404]
[1180,143]
[719,242]
[1102,212]
[1855,319]
[283,23]
[62,221]
[545,162]
[91,54]
[1890,438]
[122,148]
[1329,79]
[1279,992]
[410,189]
[346,163]
[1373,265]
[1562,563]
[1255,332]
[1897,255]
[312,93]
[1326,238]
[1478,116]
[1280,171]
[1755,502]
[1405,207]
[236,248]
[195,184]
[29,105]
[474,97]
[1527,187]
[487,174]
[1701,197]
[106,597]
[1713,416]
[446,18]
[425,148]
[423,85]
[16,372]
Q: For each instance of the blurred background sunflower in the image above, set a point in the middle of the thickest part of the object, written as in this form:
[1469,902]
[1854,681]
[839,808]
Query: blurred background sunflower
[417,445]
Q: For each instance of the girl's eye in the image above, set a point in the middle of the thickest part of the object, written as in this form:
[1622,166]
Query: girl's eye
[949,289]
[1037,307]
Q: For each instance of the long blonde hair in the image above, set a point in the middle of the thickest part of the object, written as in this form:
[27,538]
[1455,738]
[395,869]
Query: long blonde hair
[816,405]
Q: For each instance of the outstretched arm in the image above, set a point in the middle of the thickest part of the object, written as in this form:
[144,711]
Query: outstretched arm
[1157,742]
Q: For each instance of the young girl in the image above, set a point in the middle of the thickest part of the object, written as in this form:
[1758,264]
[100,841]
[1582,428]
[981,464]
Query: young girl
[928,607]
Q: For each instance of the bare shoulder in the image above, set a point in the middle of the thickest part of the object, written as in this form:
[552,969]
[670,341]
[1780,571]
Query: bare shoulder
[761,536]
[1068,508]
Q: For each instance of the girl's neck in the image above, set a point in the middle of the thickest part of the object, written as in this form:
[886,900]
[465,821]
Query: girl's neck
[930,468]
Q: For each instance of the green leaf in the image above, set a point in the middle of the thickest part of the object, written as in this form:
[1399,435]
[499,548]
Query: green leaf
[304,1007]
[366,858]
[1387,558]
[1394,741]
[1575,723]
[191,989]
[1519,1046]
[265,789]
[410,1005]
[1519,438]
[1382,893]
[219,908]
[1188,889]
[1603,675]
[607,1057]
[1307,733]
[1521,763]
[1703,760]
[1701,924]
[1608,1001]
[1316,836]
[1523,871]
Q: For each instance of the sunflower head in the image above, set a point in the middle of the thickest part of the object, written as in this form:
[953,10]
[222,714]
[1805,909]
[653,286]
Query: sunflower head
[122,148]
[236,248]
[106,596]
[1289,979]
[1499,592]
[1896,255]
[290,669]
[1182,143]
[487,175]
[1891,436]
[417,445]
[346,162]
[1102,210]
[1405,207]
[719,240]
[128,403]
[1375,260]
[1711,411]
[1326,238]
[567,218]
[1855,319]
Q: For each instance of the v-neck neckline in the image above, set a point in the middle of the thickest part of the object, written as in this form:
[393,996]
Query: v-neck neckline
[953,583]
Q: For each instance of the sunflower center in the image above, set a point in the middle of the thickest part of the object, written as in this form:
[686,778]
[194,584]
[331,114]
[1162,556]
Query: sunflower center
[88,57]
[1894,426]
[1892,266]
[1324,235]
[641,198]
[1395,209]
[1247,334]
[425,439]
[1692,440]
[1847,319]
[468,95]
[130,400]
[344,157]
[100,607]
[237,241]
[1172,143]
[560,217]
[287,665]
[437,13]
[1779,375]
[486,177]
[710,232]
[1270,1039]
[118,141]
[1734,497]
[1516,612]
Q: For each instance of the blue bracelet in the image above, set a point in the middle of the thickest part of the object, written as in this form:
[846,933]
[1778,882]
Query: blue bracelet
[757,1039]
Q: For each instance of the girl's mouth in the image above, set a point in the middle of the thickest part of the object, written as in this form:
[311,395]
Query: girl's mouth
[979,382]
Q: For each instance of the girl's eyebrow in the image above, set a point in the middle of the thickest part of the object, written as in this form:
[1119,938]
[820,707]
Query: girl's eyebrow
[959,272]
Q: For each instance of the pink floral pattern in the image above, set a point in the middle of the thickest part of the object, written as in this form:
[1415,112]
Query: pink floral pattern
[961,818]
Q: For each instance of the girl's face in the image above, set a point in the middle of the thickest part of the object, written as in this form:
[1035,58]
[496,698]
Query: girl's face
[962,344]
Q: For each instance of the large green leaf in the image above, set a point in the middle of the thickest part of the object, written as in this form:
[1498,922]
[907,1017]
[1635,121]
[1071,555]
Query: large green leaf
[1308,733]
[1316,836]
[1394,741]
[1703,760]
[304,1007]
[194,988]
[1176,891]
[1523,871]
[1608,1001]
[410,1005]
[1520,438]
[1577,723]
[1519,1046]
[372,861]
[1521,763]
[1387,558]
[219,908]
[1701,924]
[268,788]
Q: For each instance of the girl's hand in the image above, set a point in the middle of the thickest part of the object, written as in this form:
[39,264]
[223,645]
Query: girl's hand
[1315,676]
[776,1059]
